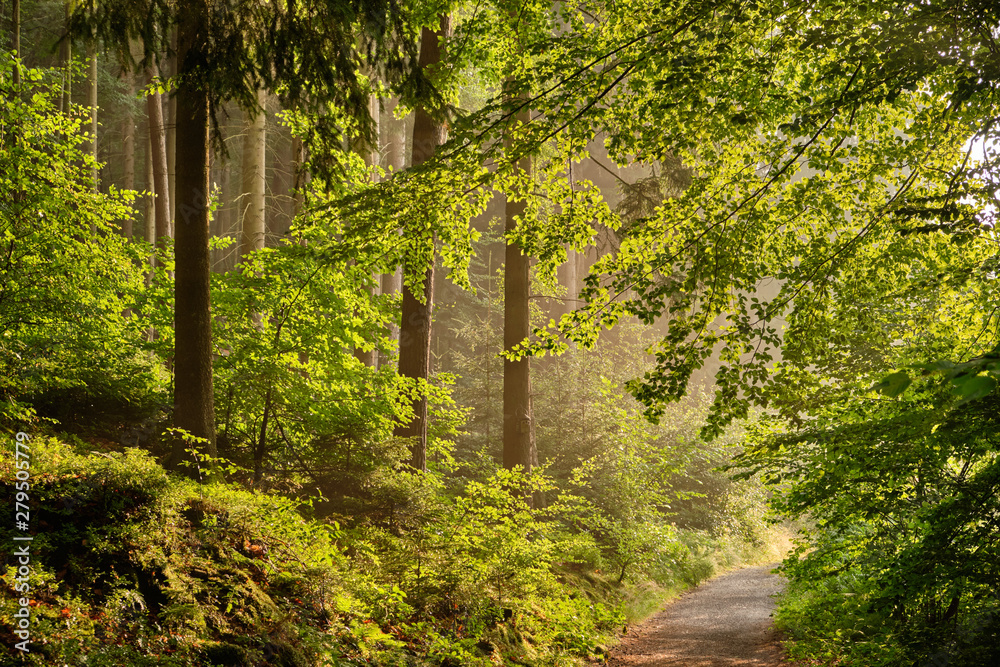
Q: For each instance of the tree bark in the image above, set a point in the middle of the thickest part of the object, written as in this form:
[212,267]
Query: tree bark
[15,19]
[128,149]
[171,125]
[193,398]
[518,419]
[370,153]
[252,203]
[393,139]
[150,230]
[415,323]
[279,214]
[92,103]
[158,155]
[66,60]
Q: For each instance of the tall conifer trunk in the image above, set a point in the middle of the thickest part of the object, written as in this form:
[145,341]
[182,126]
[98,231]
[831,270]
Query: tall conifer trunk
[149,232]
[415,323]
[393,140]
[66,61]
[92,103]
[518,419]
[252,204]
[170,126]
[370,154]
[15,20]
[193,399]
[158,159]
[128,148]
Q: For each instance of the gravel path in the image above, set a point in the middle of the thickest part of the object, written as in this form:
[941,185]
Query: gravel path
[723,623]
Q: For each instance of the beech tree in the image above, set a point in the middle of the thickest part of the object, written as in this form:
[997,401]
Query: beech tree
[418,295]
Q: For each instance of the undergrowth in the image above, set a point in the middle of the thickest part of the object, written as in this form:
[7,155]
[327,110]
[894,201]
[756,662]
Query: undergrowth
[134,566]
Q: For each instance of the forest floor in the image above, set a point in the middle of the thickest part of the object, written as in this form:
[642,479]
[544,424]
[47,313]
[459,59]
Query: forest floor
[723,623]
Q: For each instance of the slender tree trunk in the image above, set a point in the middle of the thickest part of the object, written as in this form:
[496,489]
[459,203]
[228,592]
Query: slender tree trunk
[229,214]
[300,176]
[92,103]
[128,149]
[150,229]
[370,153]
[393,132]
[158,158]
[171,124]
[252,202]
[518,420]
[260,449]
[279,214]
[415,324]
[66,60]
[193,399]
[15,20]
[393,138]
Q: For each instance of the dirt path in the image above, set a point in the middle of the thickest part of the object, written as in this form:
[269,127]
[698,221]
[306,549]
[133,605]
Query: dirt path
[723,623]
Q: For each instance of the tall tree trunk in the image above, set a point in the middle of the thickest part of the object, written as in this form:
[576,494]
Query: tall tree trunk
[229,219]
[518,420]
[252,202]
[150,229]
[393,133]
[171,124]
[128,148]
[66,61]
[158,155]
[92,103]
[370,153]
[15,20]
[300,176]
[279,214]
[193,399]
[415,323]
[393,139]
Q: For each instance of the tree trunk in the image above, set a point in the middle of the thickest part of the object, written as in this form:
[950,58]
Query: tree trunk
[518,420]
[193,399]
[393,139]
[279,214]
[15,20]
[393,133]
[128,149]
[158,155]
[92,103]
[252,202]
[415,323]
[370,153]
[150,230]
[300,176]
[66,60]
[171,124]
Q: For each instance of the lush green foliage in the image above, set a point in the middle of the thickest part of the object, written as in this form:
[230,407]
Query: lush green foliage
[67,283]
[132,565]
[816,227]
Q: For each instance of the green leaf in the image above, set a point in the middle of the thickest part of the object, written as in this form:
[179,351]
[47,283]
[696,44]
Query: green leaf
[893,385]
[973,387]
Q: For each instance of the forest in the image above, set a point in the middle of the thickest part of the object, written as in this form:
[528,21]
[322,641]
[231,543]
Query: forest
[452,333]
